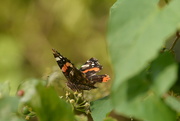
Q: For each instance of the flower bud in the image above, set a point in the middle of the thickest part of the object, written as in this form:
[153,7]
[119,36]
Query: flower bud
[20,93]
[80,95]
[75,93]
[86,104]
[88,111]
[72,101]
[25,110]
[67,94]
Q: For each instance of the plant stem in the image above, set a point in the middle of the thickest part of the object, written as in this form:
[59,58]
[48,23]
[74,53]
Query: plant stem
[175,41]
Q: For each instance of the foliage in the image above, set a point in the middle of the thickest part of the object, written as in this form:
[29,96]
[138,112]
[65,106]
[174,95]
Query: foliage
[100,108]
[44,101]
[137,31]
[144,73]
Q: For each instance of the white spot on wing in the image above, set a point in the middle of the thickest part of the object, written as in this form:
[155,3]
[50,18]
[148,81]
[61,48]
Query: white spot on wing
[84,66]
[58,59]
[92,64]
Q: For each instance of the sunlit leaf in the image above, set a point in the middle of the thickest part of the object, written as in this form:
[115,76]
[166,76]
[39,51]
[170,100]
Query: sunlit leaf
[29,88]
[140,96]
[137,31]
[49,107]
[9,108]
[45,101]
[135,100]
[173,103]
[100,108]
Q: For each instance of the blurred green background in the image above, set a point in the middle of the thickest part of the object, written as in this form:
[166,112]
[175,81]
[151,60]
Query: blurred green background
[30,28]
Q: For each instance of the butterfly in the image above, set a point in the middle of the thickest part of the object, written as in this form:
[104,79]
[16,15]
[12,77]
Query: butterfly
[80,79]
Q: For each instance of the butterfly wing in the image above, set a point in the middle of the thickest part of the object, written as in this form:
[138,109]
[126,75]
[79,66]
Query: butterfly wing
[90,68]
[65,64]
[77,80]
[99,78]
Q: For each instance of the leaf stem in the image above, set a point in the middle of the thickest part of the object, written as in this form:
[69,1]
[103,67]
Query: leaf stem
[175,41]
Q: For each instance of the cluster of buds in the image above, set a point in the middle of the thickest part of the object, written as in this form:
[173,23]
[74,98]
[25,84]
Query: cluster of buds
[78,102]
[28,112]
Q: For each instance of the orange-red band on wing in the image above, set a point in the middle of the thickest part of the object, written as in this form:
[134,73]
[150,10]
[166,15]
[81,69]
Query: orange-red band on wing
[106,78]
[91,69]
[65,67]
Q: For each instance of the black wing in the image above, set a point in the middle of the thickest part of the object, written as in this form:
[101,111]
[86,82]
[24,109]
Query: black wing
[77,80]
[91,67]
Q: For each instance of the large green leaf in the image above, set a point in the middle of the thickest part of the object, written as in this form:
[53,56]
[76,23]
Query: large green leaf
[100,108]
[9,108]
[137,31]
[149,108]
[45,101]
[8,105]
[163,73]
[173,102]
[49,107]
[140,96]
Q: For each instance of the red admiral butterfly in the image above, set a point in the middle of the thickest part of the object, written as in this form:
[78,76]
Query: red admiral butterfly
[83,79]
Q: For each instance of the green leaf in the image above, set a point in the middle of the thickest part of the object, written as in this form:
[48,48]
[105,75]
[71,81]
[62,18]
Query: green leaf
[135,99]
[45,101]
[29,87]
[49,107]
[163,73]
[173,103]
[140,96]
[9,108]
[100,108]
[137,30]
[149,108]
